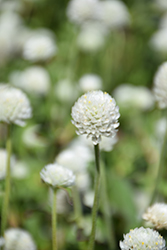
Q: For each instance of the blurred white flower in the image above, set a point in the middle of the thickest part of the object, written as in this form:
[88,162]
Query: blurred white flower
[95,114]
[14,105]
[62,205]
[39,47]
[88,198]
[34,80]
[91,38]
[142,238]
[83,181]
[158,41]
[65,90]
[10,5]
[31,137]
[128,96]
[20,170]
[57,176]
[18,239]
[161,4]
[160,86]
[157,215]
[80,11]
[2,241]
[114,14]
[90,82]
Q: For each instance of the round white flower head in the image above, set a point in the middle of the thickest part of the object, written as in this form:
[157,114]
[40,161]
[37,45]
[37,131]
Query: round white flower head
[158,41]
[160,86]
[14,105]
[39,47]
[128,96]
[157,215]
[57,176]
[95,114]
[114,14]
[90,82]
[34,80]
[18,239]
[79,11]
[142,239]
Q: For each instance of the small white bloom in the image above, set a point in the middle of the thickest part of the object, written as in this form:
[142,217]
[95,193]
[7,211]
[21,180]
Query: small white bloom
[142,238]
[34,80]
[114,14]
[157,215]
[83,181]
[90,82]
[57,176]
[160,86]
[96,114]
[88,198]
[80,11]
[91,38]
[14,105]
[158,41]
[20,170]
[18,239]
[128,96]
[39,47]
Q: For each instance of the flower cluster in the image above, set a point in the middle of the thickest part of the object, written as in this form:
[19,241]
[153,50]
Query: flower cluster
[142,239]
[157,215]
[96,114]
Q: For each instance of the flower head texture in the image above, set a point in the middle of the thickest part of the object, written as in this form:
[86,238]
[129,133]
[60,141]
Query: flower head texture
[18,239]
[157,215]
[142,239]
[57,176]
[160,86]
[14,105]
[95,114]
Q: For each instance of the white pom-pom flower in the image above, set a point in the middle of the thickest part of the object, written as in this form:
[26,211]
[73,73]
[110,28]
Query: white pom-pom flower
[33,80]
[95,114]
[90,82]
[18,239]
[142,239]
[39,47]
[157,215]
[57,176]
[14,105]
[160,86]
[114,14]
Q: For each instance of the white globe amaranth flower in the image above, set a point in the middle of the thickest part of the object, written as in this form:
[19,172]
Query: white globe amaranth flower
[39,47]
[3,163]
[90,82]
[95,114]
[57,176]
[14,105]
[128,96]
[142,238]
[33,80]
[158,41]
[157,215]
[160,86]
[80,11]
[18,239]
[113,14]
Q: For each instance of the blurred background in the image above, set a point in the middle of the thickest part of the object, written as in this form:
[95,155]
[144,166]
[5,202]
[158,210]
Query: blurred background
[55,51]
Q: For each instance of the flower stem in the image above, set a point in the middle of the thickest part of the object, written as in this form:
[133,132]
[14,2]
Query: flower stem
[96,198]
[54,221]
[77,206]
[5,204]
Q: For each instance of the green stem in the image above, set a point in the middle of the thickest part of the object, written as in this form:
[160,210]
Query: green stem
[77,206]
[54,221]
[160,168]
[5,205]
[96,198]
[106,211]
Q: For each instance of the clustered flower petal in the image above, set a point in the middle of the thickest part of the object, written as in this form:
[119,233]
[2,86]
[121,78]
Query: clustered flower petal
[142,239]
[95,114]
[14,105]
[157,215]
[160,86]
[18,239]
[57,176]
